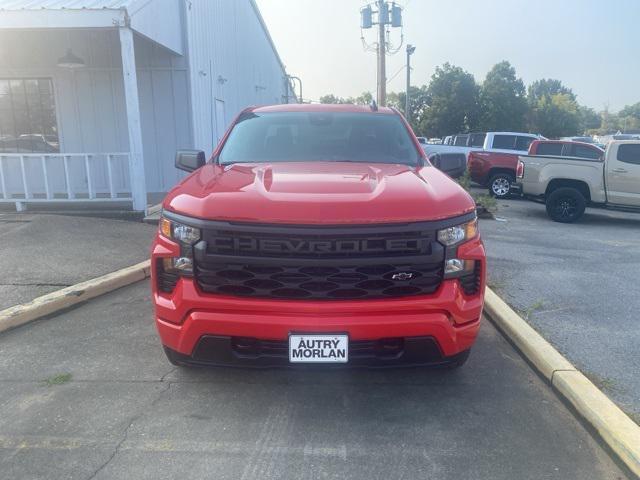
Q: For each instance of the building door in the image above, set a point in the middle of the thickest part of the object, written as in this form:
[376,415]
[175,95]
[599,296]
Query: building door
[221,119]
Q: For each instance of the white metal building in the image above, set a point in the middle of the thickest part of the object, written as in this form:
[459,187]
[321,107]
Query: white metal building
[96,96]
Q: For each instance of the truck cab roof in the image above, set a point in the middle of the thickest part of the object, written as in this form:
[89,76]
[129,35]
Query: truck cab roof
[322,107]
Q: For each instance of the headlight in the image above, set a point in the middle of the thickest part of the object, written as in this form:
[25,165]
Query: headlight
[460,233]
[186,236]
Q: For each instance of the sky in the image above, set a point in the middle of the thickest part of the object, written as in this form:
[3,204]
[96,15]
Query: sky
[592,46]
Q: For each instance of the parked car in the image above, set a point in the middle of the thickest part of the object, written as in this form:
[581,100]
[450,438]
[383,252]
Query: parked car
[569,184]
[453,164]
[494,167]
[508,142]
[317,234]
[28,143]
[422,140]
[578,139]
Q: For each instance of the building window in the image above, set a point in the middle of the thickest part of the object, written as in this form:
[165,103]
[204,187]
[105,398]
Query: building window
[28,116]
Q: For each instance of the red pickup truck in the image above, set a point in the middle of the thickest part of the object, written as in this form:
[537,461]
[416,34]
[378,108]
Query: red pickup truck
[497,170]
[317,234]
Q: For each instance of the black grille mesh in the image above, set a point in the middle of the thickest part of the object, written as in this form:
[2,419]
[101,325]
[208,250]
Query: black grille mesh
[386,348]
[319,282]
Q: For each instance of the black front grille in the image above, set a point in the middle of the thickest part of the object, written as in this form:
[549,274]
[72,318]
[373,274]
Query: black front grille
[319,282]
[386,348]
[319,263]
[471,283]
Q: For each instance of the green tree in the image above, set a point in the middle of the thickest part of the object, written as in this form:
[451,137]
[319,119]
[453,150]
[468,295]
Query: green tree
[393,100]
[547,87]
[609,123]
[629,117]
[365,98]
[502,100]
[589,119]
[555,116]
[418,105]
[331,98]
[450,102]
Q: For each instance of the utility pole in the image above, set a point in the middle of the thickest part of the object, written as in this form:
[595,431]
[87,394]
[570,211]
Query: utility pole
[389,14]
[383,10]
[407,111]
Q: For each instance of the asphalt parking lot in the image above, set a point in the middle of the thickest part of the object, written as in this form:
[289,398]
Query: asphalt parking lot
[45,253]
[114,408]
[577,284]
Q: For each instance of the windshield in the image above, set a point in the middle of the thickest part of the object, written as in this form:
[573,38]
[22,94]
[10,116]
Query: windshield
[319,136]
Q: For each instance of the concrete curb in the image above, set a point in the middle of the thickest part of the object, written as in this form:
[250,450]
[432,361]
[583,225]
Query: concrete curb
[69,296]
[615,428]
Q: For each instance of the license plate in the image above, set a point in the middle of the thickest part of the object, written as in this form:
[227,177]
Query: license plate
[318,348]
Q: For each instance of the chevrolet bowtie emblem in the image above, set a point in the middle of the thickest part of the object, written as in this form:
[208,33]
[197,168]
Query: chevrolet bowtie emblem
[402,276]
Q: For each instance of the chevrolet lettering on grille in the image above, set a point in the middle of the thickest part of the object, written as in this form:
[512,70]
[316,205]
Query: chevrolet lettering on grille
[274,246]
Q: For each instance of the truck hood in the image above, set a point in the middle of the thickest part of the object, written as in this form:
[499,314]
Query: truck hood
[329,193]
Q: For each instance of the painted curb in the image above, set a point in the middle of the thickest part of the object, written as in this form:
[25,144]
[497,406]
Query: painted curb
[615,428]
[69,296]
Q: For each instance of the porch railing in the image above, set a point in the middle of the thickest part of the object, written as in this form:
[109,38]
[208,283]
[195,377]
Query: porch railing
[64,177]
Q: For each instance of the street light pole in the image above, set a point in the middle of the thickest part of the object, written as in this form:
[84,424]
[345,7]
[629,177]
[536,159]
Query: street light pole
[407,112]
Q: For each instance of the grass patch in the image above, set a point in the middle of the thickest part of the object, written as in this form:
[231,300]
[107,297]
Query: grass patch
[533,308]
[526,314]
[58,379]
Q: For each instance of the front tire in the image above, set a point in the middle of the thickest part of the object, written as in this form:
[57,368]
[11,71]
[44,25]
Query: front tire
[565,205]
[500,185]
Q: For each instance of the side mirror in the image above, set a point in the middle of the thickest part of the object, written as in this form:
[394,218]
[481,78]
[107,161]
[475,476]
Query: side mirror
[190,160]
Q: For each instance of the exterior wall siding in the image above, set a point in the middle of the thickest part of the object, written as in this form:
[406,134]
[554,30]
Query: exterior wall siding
[232,65]
[185,101]
[90,101]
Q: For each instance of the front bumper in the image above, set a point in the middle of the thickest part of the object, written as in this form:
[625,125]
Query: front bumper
[448,317]
[216,350]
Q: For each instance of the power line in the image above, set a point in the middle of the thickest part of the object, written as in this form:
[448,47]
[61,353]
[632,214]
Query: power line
[396,74]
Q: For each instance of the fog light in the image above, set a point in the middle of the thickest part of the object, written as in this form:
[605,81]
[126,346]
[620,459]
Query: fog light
[455,267]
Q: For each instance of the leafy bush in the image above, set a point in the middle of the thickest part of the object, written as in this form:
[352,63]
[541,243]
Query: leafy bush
[482,199]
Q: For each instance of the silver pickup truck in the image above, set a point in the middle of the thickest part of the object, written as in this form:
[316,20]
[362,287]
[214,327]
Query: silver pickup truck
[568,184]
